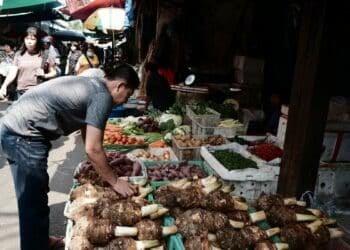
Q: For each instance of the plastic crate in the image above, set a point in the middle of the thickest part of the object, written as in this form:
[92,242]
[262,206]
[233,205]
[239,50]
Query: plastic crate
[68,235]
[206,119]
[156,184]
[187,153]
[153,151]
[248,182]
[130,178]
[199,128]
[173,242]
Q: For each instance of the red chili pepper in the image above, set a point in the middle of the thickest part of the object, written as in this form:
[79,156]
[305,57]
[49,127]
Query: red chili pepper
[267,151]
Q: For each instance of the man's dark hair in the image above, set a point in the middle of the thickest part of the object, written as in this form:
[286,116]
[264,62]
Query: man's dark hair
[125,72]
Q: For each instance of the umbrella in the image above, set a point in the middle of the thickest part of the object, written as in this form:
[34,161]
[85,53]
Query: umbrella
[85,9]
[68,35]
[106,19]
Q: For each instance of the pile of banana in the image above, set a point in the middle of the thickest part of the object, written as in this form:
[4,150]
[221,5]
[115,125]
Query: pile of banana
[230,123]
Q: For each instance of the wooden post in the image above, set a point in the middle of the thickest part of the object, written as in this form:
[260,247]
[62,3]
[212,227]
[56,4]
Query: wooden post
[309,103]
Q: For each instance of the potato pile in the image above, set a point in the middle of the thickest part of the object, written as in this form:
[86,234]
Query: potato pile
[188,141]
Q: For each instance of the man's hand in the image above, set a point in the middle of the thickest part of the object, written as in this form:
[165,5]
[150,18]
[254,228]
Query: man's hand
[124,188]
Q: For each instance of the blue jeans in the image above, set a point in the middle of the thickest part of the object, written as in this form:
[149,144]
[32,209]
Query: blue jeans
[27,157]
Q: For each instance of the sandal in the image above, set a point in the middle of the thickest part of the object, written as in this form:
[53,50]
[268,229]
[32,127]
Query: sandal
[56,242]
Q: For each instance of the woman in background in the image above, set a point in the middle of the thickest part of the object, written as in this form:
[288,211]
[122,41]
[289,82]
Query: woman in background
[87,60]
[31,65]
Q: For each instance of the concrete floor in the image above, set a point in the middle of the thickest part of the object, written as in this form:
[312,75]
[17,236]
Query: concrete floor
[66,153]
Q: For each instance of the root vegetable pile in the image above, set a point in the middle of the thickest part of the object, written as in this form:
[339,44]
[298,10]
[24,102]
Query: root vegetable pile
[170,171]
[121,164]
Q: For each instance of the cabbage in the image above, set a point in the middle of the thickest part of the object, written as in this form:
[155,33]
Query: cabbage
[177,119]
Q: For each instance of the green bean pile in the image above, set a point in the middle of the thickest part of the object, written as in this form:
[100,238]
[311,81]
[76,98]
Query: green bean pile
[231,160]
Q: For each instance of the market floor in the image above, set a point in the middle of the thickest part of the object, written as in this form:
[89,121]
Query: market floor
[66,153]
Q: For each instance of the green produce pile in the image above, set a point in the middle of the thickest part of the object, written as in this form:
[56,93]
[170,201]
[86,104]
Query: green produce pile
[226,110]
[232,161]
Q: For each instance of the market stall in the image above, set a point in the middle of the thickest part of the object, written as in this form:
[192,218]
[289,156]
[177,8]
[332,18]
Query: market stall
[208,190]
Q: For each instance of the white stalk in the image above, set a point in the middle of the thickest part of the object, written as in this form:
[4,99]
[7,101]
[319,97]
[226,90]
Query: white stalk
[120,231]
[314,225]
[335,233]
[328,221]
[169,230]
[290,201]
[305,217]
[186,185]
[236,224]
[211,237]
[149,209]
[211,187]
[143,193]
[212,247]
[272,231]
[159,213]
[208,180]
[141,182]
[315,212]
[281,246]
[238,205]
[179,183]
[301,203]
[257,216]
[227,189]
[145,244]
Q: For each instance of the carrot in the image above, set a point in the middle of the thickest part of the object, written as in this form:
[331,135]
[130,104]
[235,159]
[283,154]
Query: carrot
[157,144]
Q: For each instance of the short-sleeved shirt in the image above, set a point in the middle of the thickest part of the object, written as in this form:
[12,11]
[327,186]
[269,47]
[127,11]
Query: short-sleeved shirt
[60,107]
[27,67]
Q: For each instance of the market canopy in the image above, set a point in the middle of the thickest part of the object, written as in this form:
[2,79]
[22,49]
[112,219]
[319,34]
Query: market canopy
[106,19]
[68,35]
[12,11]
[85,11]
[10,7]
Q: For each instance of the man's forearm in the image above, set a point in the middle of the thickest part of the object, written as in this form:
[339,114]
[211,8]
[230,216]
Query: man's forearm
[10,76]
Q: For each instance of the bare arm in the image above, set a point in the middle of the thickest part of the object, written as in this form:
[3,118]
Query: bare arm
[11,76]
[77,67]
[51,73]
[95,152]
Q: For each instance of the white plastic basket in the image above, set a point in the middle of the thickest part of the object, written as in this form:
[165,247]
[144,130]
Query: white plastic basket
[153,151]
[263,173]
[205,119]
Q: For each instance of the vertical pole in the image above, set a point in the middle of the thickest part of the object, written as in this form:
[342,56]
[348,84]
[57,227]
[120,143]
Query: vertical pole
[309,102]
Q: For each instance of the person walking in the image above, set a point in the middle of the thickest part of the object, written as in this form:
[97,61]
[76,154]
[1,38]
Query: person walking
[87,60]
[59,107]
[31,65]
[72,58]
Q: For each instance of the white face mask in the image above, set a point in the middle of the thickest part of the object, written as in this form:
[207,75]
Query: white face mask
[73,48]
[90,54]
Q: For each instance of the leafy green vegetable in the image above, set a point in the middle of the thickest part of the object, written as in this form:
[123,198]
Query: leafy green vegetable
[231,160]
[153,113]
[177,109]
[132,129]
[152,137]
[167,126]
